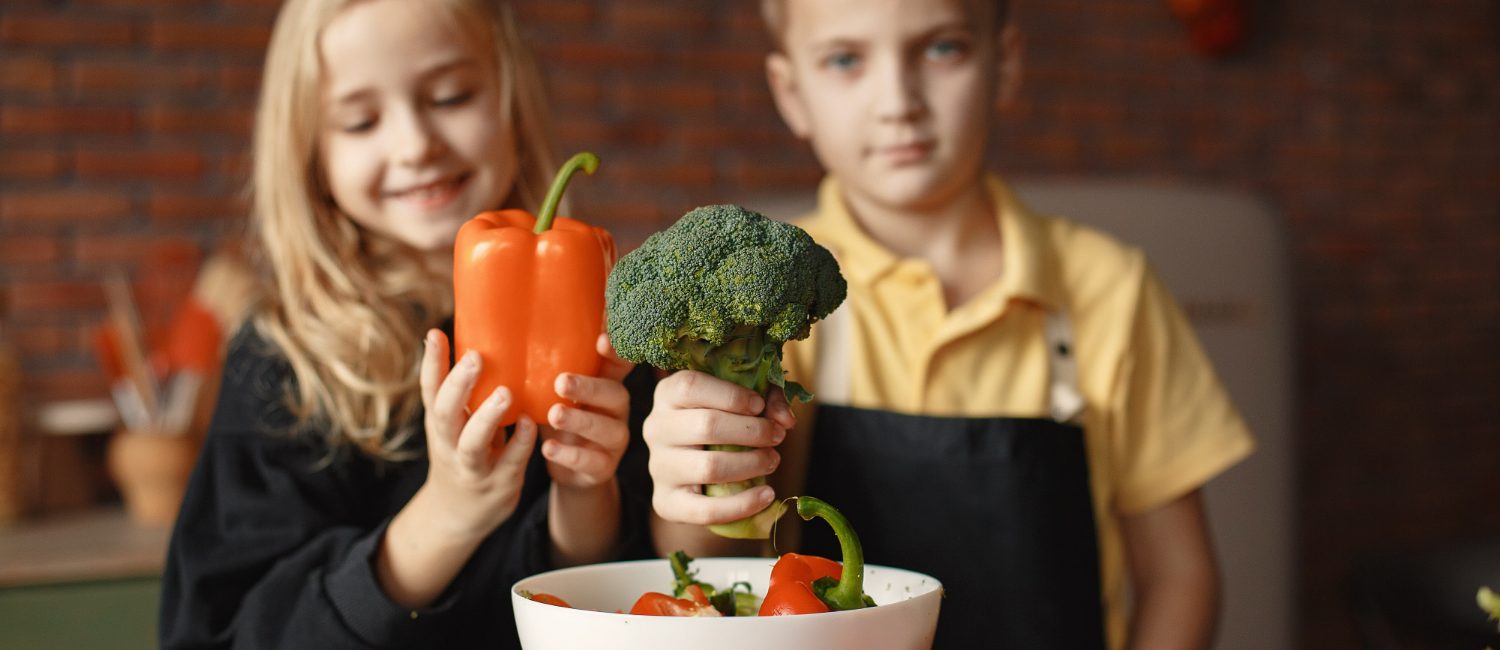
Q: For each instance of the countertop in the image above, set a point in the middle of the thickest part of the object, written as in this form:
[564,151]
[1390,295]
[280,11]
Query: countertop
[96,544]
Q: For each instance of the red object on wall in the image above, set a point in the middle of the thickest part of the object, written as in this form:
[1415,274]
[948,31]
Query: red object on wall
[1216,27]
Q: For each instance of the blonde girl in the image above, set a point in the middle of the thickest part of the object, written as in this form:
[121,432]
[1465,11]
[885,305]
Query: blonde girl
[345,495]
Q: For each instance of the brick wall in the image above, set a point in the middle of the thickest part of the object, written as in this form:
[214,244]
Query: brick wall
[1370,127]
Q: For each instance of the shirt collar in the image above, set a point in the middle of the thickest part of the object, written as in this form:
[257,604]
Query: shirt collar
[1030,268]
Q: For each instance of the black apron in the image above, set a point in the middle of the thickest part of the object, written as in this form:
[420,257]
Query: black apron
[999,509]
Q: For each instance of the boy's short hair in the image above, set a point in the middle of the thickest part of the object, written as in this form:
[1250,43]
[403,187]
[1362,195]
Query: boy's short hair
[774,14]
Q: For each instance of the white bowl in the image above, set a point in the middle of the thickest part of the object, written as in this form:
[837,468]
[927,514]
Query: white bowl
[905,616]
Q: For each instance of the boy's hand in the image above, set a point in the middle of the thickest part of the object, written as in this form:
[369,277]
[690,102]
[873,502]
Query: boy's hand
[584,445]
[694,409]
[473,477]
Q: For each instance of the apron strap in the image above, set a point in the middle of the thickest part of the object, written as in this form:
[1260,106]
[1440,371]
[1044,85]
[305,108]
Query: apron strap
[1066,402]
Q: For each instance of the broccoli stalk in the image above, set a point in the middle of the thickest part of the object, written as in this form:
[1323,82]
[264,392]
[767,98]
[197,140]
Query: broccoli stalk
[720,292]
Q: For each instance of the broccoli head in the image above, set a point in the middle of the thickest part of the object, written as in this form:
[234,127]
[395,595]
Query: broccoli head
[720,292]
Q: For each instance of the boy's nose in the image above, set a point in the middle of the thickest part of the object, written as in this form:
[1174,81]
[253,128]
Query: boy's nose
[899,92]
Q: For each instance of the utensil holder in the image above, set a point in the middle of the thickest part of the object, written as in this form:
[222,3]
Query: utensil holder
[151,470]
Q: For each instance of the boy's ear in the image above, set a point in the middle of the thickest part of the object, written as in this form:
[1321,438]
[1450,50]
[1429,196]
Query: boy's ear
[1010,64]
[784,90]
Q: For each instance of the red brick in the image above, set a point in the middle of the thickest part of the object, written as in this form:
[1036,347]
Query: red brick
[135,79]
[556,12]
[27,75]
[744,19]
[64,206]
[1090,112]
[1063,147]
[54,296]
[115,249]
[65,120]
[179,120]
[596,54]
[668,175]
[20,250]
[1132,148]
[736,137]
[725,62]
[173,35]
[235,167]
[240,79]
[777,177]
[32,163]
[667,96]
[181,164]
[41,341]
[140,5]
[181,206]
[573,92]
[55,30]
[681,22]
[58,384]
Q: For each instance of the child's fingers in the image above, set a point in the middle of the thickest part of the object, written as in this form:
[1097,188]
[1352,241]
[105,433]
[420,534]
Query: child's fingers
[517,451]
[474,441]
[702,467]
[614,367]
[696,427]
[779,410]
[607,432]
[580,458]
[607,396]
[434,365]
[687,506]
[453,394]
[690,389]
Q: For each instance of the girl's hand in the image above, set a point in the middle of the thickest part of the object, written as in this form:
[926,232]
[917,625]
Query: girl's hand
[583,446]
[474,476]
[694,409]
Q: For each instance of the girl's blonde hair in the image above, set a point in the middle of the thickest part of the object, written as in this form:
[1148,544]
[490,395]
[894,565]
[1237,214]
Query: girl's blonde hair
[344,304]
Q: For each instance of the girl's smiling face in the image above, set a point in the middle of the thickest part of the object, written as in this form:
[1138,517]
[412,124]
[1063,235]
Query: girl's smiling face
[412,139]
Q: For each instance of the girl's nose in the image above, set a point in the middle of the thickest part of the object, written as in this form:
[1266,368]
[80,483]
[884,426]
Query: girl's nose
[898,88]
[413,140]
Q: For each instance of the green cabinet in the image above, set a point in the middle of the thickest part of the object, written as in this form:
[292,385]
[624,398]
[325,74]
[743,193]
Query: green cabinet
[119,614]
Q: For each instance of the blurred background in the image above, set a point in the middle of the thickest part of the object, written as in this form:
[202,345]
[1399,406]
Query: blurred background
[1360,139]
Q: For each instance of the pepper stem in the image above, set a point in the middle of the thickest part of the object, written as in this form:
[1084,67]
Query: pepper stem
[584,160]
[849,593]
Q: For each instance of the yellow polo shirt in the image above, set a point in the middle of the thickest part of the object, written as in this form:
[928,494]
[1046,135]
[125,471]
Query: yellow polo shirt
[1158,422]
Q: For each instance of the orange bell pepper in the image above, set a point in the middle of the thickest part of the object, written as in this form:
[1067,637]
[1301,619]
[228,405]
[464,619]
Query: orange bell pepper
[528,294]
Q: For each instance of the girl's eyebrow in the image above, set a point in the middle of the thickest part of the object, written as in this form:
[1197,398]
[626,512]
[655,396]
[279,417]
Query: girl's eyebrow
[364,93]
[448,66]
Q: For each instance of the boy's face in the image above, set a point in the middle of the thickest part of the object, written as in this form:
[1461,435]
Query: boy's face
[894,95]
[412,142]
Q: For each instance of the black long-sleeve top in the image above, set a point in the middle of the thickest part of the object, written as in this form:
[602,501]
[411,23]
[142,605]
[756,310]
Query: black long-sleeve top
[275,541]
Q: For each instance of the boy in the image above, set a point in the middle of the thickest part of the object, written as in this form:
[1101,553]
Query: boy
[1008,402]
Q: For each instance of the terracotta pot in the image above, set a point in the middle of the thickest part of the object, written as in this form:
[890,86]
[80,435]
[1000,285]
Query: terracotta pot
[152,472]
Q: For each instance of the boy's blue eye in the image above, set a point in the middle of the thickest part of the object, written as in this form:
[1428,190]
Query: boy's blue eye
[842,61]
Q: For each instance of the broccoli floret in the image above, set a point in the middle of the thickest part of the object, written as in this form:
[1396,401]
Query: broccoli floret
[720,292]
